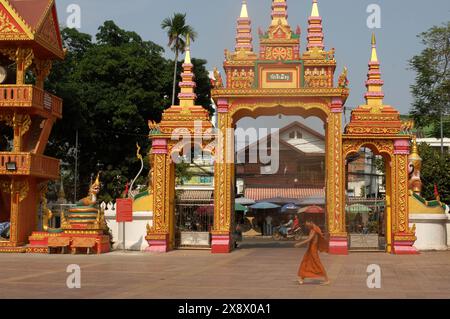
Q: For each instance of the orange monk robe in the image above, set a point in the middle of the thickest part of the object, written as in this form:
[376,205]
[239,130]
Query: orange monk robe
[311,266]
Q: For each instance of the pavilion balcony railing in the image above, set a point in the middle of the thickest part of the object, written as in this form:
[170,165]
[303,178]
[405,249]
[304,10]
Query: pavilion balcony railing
[29,164]
[30,96]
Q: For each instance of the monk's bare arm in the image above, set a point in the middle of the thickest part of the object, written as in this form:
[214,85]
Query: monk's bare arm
[310,237]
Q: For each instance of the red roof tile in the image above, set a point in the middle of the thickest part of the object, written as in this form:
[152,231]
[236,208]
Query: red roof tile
[31,11]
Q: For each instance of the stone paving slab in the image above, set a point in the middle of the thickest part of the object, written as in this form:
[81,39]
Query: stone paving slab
[250,272]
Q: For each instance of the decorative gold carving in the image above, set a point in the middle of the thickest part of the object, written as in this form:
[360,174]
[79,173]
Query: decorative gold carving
[6,26]
[343,79]
[316,77]
[402,195]
[23,121]
[159,191]
[223,176]
[294,92]
[381,146]
[22,188]
[47,33]
[46,213]
[322,105]
[218,82]
[336,218]
[19,187]
[367,130]
[242,79]
[26,56]
[279,53]
[41,69]
[407,127]
[24,59]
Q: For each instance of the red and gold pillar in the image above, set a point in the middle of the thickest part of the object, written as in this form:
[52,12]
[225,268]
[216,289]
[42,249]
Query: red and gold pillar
[159,235]
[223,182]
[403,236]
[335,181]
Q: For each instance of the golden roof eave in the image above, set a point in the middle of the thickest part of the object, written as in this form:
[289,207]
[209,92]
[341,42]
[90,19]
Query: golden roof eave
[346,136]
[298,92]
[34,38]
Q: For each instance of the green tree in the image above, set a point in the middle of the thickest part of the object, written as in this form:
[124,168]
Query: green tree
[177,33]
[111,87]
[434,171]
[431,90]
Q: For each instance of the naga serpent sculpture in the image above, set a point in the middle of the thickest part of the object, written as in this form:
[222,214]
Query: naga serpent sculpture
[139,156]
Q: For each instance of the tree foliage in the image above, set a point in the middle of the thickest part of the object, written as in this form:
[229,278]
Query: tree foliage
[434,171]
[431,90]
[110,88]
[178,33]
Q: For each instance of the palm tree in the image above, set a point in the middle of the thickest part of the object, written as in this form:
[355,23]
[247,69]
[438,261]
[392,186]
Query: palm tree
[177,32]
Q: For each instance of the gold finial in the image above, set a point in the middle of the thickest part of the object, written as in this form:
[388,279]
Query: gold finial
[315,9]
[188,40]
[244,11]
[187,58]
[374,57]
[97,180]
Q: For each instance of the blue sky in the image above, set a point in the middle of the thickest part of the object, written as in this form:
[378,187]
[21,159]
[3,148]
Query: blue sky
[344,24]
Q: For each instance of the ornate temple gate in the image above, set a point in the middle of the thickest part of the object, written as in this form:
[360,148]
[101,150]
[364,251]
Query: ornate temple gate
[280,80]
[182,126]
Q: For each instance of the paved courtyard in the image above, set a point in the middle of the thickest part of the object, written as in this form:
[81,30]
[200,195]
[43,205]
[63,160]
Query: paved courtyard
[253,271]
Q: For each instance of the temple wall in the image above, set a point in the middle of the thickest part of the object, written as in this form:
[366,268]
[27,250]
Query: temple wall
[448,231]
[431,231]
[135,231]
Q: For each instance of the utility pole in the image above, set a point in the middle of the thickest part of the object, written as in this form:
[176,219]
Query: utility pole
[442,133]
[76,168]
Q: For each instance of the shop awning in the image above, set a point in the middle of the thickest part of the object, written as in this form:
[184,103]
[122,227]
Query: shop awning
[194,195]
[261,193]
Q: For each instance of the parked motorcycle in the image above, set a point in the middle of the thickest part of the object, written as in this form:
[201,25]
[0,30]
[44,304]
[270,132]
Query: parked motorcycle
[293,234]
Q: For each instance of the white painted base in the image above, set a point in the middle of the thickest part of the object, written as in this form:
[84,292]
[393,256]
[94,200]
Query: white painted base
[135,231]
[431,231]
[448,231]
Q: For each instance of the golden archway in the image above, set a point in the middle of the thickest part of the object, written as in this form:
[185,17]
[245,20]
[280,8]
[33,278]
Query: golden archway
[282,80]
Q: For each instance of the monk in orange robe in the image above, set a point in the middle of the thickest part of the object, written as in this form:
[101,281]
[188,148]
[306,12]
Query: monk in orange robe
[311,266]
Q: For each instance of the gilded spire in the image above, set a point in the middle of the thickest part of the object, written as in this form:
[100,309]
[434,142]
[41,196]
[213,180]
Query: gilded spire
[374,57]
[315,30]
[187,95]
[244,11]
[244,30]
[374,96]
[315,9]
[279,12]
[187,56]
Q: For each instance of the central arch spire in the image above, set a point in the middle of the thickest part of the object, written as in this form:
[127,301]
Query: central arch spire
[279,12]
